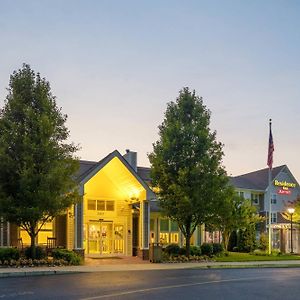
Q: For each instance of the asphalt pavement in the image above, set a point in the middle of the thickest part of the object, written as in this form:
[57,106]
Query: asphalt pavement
[233,284]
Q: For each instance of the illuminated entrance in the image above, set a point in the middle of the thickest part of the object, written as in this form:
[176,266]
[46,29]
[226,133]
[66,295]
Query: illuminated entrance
[104,237]
[105,214]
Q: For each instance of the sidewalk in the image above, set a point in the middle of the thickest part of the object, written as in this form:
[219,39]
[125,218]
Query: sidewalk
[136,264]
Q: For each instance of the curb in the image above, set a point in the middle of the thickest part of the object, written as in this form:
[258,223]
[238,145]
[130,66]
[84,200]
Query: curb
[36,273]
[30,273]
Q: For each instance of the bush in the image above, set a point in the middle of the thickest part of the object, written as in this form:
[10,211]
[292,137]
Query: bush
[172,249]
[246,239]
[207,249]
[71,257]
[260,252]
[40,253]
[232,243]
[182,251]
[217,248]
[9,253]
[195,251]
[263,242]
[276,252]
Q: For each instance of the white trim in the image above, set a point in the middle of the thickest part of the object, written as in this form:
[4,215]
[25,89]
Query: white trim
[75,227]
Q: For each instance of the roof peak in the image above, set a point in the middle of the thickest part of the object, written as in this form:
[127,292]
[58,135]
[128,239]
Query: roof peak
[261,170]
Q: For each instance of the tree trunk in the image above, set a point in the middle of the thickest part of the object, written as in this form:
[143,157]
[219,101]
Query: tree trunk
[188,244]
[32,245]
[225,236]
[188,239]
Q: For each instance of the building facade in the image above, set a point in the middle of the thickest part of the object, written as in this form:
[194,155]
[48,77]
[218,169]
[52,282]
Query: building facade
[119,214]
[282,192]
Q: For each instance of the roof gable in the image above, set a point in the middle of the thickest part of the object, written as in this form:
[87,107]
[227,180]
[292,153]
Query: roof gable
[89,168]
[257,180]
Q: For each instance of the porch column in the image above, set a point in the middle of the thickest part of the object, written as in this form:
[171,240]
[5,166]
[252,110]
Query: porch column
[78,232]
[144,227]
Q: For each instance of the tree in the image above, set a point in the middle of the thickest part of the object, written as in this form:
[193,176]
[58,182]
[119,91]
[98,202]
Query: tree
[186,164]
[294,204]
[37,165]
[234,214]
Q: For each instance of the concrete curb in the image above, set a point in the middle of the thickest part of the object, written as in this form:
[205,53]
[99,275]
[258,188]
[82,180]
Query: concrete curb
[4,273]
[35,273]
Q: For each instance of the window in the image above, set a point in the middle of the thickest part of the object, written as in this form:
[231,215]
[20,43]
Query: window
[274,217]
[174,226]
[91,204]
[110,205]
[164,224]
[151,225]
[255,199]
[101,205]
[240,194]
[273,199]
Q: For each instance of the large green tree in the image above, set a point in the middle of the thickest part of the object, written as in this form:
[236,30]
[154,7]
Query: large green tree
[37,164]
[186,164]
[234,214]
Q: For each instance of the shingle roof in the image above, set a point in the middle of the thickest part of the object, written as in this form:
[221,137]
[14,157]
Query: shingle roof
[257,180]
[144,173]
[85,166]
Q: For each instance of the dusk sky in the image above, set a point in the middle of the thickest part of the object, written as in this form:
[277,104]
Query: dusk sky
[114,66]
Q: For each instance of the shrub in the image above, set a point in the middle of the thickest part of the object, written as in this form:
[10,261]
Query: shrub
[246,239]
[263,242]
[276,252]
[232,241]
[207,249]
[217,248]
[195,251]
[9,253]
[40,253]
[71,257]
[260,252]
[182,251]
[172,249]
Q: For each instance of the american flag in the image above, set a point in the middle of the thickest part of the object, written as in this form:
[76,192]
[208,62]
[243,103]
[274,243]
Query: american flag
[270,150]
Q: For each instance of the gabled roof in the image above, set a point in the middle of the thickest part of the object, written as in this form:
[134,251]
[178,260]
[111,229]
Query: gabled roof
[144,173]
[257,180]
[88,169]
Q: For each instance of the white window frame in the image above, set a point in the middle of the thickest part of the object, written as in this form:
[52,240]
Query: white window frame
[255,198]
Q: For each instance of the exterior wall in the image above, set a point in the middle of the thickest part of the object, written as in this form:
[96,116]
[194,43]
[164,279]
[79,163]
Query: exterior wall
[281,232]
[70,228]
[282,199]
[163,231]
[121,216]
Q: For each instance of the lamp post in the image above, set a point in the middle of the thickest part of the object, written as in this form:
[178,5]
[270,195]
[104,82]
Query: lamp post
[291,210]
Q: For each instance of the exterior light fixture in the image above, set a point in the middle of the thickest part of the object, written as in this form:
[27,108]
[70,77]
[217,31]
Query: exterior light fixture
[291,211]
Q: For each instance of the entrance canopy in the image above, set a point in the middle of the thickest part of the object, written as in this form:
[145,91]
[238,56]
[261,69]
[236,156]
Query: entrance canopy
[115,181]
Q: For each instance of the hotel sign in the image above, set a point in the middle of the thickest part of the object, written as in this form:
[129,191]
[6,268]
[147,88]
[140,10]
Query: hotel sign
[284,190]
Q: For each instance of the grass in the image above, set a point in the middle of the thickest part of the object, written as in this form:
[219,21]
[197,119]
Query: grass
[241,257]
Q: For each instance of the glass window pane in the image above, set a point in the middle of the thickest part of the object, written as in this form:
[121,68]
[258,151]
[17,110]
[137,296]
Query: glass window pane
[174,226]
[100,205]
[110,205]
[91,204]
[164,224]
[151,224]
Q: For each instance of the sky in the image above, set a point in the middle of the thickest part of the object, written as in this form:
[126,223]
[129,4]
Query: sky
[114,66]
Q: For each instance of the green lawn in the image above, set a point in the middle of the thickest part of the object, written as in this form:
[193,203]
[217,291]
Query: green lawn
[236,256]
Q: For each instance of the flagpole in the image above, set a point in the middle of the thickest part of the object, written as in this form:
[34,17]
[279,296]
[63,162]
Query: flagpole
[270,197]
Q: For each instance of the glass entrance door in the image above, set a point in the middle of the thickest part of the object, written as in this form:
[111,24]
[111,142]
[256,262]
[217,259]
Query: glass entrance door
[100,238]
[118,239]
